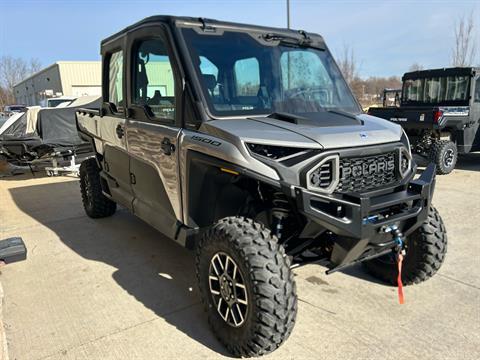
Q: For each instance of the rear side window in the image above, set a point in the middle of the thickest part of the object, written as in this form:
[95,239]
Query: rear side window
[477,90]
[115,80]
[154,82]
[247,77]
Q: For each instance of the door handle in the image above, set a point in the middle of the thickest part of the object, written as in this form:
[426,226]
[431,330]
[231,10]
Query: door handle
[167,147]
[120,132]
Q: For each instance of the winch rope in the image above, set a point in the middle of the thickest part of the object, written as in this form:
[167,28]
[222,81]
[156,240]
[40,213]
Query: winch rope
[401,298]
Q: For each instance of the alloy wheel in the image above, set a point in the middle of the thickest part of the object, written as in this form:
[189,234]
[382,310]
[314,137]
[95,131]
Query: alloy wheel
[228,289]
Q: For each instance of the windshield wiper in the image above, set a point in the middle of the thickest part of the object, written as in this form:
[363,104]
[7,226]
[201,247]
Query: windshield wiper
[288,40]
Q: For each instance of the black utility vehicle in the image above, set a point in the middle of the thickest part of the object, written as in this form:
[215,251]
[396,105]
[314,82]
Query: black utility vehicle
[440,111]
[246,144]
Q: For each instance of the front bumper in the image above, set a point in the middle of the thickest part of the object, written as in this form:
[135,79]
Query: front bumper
[359,220]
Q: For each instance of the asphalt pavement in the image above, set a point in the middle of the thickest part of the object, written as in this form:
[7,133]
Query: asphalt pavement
[115,288]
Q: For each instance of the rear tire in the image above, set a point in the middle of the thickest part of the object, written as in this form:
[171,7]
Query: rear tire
[425,252]
[444,154]
[268,304]
[95,203]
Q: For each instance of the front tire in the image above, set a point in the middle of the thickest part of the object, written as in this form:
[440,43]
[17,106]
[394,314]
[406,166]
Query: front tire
[425,248]
[444,154]
[95,203]
[237,251]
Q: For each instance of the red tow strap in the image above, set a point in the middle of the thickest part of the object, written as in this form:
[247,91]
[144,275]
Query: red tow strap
[401,299]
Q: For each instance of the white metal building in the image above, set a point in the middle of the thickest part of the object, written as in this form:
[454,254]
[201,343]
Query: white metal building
[63,78]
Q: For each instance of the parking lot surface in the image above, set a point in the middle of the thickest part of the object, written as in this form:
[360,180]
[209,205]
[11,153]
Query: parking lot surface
[115,288]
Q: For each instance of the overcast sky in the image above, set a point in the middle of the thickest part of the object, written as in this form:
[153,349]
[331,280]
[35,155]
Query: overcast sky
[387,36]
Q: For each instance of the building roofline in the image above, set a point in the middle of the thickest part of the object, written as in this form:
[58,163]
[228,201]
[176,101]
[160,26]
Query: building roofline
[56,63]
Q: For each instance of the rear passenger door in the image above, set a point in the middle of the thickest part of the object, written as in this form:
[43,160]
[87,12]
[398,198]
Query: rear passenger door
[112,123]
[153,128]
[475,113]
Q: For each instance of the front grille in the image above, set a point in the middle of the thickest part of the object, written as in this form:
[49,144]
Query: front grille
[359,174]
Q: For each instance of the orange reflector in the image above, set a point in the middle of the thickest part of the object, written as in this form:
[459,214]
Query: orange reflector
[230,171]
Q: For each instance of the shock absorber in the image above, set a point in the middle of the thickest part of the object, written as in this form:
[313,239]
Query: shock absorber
[280,211]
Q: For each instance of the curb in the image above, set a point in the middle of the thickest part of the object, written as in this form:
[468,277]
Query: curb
[3,337]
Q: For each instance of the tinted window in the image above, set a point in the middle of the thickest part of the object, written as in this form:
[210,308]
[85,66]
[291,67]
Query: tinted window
[436,89]
[115,80]
[477,90]
[304,74]
[247,77]
[154,83]
[253,76]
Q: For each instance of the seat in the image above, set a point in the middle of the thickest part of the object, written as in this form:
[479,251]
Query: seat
[210,82]
[156,99]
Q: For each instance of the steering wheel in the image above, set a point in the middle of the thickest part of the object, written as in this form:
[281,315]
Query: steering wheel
[319,95]
[302,93]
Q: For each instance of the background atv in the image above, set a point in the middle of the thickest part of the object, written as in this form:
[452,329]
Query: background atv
[440,111]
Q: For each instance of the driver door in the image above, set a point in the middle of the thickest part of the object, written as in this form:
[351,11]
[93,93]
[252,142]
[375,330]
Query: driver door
[153,129]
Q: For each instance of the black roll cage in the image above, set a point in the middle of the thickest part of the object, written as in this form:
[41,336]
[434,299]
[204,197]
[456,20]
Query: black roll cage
[187,81]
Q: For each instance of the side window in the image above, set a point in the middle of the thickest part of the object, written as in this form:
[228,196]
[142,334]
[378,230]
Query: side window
[154,83]
[477,90]
[247,77]
[115,80]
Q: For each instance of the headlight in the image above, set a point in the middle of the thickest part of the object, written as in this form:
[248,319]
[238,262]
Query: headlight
[405,156]
[404,161]
[406,141]
[273,152]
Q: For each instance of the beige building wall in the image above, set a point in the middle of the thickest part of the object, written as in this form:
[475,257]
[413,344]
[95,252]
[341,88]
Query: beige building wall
[81,78]
[68,78]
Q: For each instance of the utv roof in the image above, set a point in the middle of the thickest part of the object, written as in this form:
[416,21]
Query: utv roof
[198,21]
[440,72]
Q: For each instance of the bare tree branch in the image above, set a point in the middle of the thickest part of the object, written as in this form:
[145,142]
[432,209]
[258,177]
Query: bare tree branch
[12,71]
[464,49]
[348,64]
[415,67]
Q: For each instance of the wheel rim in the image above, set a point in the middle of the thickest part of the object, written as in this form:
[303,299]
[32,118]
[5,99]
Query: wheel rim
[228,289]
[449,157]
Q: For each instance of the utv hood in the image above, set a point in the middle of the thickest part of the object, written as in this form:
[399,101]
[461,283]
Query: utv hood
[336,131]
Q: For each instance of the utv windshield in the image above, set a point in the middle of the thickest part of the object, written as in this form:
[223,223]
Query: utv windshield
[437,90]
[243,74]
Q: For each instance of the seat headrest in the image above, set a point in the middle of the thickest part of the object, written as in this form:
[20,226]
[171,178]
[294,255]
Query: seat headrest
[210,81]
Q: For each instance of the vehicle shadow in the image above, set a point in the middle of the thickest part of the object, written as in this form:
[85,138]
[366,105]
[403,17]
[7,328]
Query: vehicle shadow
[154,270]
[359,272]
[470,162]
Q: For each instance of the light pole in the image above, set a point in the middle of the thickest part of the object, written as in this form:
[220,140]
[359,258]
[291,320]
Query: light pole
[288,14]
[288,54]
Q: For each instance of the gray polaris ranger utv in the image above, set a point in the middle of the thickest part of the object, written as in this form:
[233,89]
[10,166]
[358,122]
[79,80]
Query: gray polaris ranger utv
[440,112]
[245,143]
